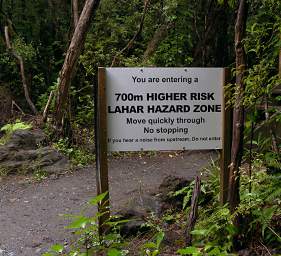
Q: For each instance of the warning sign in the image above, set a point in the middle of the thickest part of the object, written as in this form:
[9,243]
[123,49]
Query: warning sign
[164,108]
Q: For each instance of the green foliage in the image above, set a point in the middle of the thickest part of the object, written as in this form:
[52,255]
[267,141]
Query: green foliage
[43,29]
[85,105]
[26,51]
[4,171]
[262,203]
[43,98]
[88,241]
[18,125]
[214,230]
[194,251]
[209,187]
[215,233]
[39,32]
[152,248]
[78,156]
[40,175]
[11,127]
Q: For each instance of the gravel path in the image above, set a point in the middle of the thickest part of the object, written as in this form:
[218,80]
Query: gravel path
[30,220]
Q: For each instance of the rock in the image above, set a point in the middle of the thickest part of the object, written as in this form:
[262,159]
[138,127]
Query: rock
[23,153]
[138,208]
[173,238]
[26,139]
[170,185]
[136,211]
[133,227]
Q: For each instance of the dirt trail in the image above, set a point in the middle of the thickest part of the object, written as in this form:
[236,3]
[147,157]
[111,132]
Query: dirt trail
[29,212]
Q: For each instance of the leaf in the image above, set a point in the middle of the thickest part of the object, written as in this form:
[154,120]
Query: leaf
[79,223]
[159,238]
[199,232]
[189,250]
[267,216]
[156,252]
[114,252]
[150,245]
[98,198]
[215,251]
[57,248]
[117,222]
[224,212]
[186,200]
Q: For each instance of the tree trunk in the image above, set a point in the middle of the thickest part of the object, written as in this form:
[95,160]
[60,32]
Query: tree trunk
[72,55]
[238,111]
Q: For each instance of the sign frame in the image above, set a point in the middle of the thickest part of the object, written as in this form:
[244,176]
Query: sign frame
[101,146]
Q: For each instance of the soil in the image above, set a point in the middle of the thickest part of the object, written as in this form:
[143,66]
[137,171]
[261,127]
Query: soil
[30,212]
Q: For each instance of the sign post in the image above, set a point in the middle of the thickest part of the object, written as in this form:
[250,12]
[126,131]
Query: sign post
[101,151]
[226,141]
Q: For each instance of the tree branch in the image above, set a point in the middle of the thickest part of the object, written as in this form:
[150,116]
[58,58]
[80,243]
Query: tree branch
[47,107]
[22,72]
[131,42]
[75,10]
[158,36]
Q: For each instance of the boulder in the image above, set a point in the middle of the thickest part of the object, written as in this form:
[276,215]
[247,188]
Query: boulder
[22,140]
[169,185]
[24,153]
[138,208]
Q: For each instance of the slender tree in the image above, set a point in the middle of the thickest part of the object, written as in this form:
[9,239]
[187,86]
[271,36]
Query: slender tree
[70,61]
[238,110]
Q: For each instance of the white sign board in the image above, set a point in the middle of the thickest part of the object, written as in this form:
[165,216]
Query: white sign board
[164,108]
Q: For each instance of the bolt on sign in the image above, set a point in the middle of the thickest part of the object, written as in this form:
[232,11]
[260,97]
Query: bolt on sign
[164,108]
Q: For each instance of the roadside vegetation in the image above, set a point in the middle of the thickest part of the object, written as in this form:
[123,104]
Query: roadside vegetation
[215,232]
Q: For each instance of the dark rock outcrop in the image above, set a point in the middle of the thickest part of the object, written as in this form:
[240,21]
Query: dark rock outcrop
[24,153]
[138,209]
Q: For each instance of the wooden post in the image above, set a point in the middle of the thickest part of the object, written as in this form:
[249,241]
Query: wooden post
[279,68]
[101,151]
[225,158]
